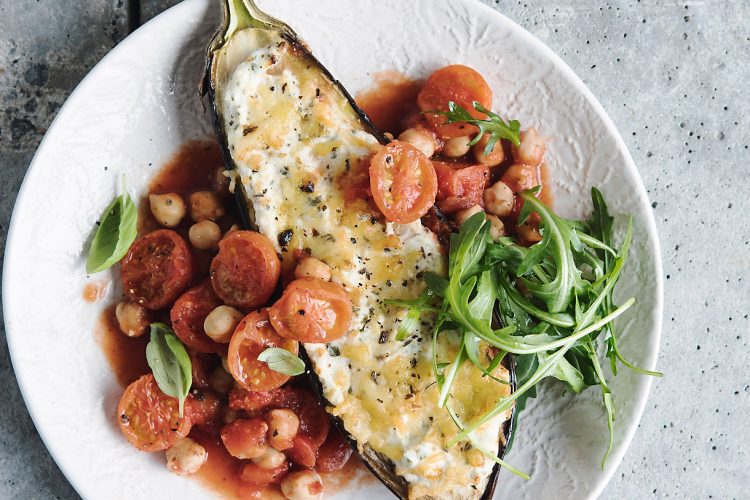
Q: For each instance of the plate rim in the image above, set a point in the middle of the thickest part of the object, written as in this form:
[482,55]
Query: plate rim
[654,245]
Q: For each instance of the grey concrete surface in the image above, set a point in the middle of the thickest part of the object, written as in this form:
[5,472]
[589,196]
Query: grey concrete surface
[673,76]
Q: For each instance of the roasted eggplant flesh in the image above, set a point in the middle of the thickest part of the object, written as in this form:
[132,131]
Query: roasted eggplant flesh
[299,149]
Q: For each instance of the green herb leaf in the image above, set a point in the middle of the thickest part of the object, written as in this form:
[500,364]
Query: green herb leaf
[170,363]
[282,361]
[118,228]
[493,125]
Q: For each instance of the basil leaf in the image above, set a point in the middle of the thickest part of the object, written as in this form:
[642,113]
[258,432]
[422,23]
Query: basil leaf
[282,361]
[170,363]
[118,228]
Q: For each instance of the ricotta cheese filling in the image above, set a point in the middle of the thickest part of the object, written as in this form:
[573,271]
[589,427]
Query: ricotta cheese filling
[301,155]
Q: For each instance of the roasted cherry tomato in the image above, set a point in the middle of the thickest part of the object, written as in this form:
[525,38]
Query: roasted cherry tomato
[259,476]
[149,418]
[203,408]
[245,271]
[461,85]
[253,335]
[189,313]
[245,438]
[460,186]
[403,182]
[312,310]
[334,453]
[157,269]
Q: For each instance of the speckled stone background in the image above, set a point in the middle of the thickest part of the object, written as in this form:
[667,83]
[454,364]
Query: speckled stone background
[673,75]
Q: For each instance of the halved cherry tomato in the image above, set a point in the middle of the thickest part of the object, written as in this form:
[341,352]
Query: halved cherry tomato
[312,310]
[460,186]
[334,453]
[253,335]
[245,271]
[203,408]
[303,451]
[189,313]
[403,182]
[259,476]
[149,418]
[245,438]
[461,85]
[157,269]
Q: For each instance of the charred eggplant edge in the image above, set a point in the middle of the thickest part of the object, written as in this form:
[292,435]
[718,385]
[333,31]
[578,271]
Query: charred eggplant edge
[250,16]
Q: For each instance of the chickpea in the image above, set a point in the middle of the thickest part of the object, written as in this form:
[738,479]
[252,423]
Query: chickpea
[519,177]
[456,146]
[225,363]
[464,215]
[185,457]
[168,209]
[498,199]
[205,235]
[132,319]
[310,267]
[221,181]
[496,156]
[205,205]
[302,485]
[531,150]
[221,322]
[234,227]
[220,381]
[388,136]
[270,459]
[497,228]
[421,138]
[283,425]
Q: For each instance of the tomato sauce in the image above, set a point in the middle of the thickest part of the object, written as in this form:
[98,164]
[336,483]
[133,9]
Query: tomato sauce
[392,97]
[93,292]
[126,355]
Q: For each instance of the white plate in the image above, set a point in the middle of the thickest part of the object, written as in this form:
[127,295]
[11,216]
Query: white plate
[136,107]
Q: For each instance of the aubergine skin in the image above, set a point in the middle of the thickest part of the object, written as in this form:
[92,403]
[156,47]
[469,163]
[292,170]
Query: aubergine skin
[238,16]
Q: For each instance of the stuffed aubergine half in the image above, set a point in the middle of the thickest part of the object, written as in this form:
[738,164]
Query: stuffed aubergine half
[299,148]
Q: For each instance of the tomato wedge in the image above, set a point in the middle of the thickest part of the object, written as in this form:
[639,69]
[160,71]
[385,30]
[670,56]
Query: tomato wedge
[403,182]
[460,186]
[245,438]
[253,335]
[245,271]
[334,453]
[157,269]
[461,85]
[255,402]
[150,419]
[189,313]
[312,310]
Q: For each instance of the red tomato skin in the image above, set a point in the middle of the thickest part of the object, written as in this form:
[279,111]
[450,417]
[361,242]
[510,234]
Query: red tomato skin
[245,438]
[157,269]
[460,186]
[256,475]
[203,408]
[334,453]
[303,452]
[257,402]
[188,314]
[314,421]
[246,270]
